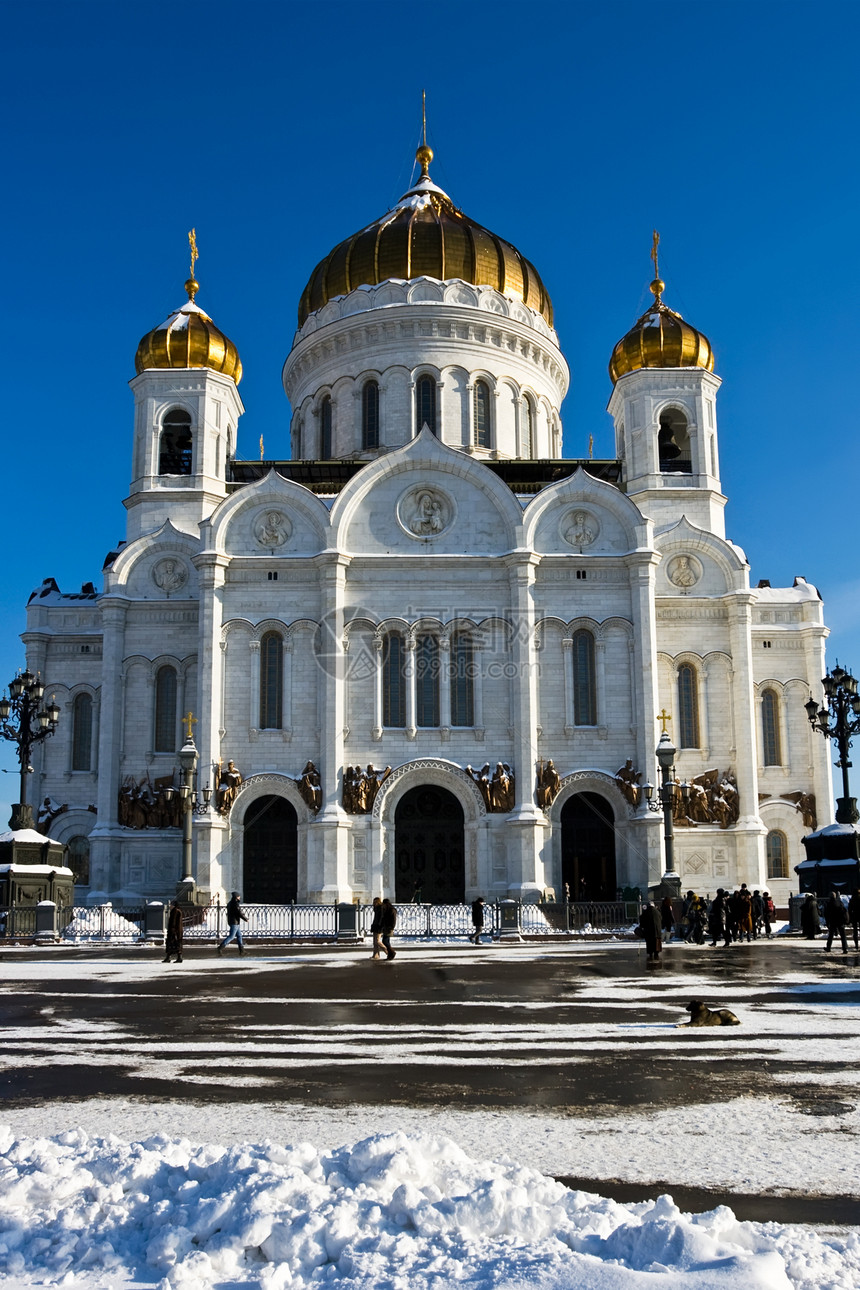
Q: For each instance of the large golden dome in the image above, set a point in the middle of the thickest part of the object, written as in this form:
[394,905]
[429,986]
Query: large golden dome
[425,235]
[660,338]
[188,338]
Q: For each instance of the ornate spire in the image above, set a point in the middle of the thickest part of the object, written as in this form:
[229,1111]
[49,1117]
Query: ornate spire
[192,286]
[657,286]
[424,155]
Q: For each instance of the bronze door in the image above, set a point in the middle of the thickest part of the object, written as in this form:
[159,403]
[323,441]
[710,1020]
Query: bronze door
[429,847]
[588,847]
[270,855]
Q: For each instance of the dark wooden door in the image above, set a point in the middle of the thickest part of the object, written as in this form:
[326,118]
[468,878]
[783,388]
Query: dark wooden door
[429,847]
[588,847]
[270,868]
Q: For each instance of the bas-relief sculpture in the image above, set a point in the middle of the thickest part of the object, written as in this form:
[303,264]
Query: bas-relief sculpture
[498,790]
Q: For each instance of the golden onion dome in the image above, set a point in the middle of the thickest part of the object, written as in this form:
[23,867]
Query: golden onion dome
[660,338]
[188,338]
[425,235]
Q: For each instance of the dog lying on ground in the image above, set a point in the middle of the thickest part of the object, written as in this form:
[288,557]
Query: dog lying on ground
[701,1015]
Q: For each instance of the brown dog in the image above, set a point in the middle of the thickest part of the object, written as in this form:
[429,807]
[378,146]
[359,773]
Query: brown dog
[701,1015]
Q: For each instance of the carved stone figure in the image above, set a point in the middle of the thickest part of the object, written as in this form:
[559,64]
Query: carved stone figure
[169,575]
[682,573]
[360,788]
[229,783]
[548,784]
[310,787]
[627,780]
[47,813]
[272,529]
[429,516]
[582,531]
[805,803]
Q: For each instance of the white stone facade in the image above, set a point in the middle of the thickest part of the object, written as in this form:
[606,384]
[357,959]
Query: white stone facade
[581,603]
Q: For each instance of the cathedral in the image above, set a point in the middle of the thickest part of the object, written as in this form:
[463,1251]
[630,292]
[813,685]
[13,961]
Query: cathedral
[427,654]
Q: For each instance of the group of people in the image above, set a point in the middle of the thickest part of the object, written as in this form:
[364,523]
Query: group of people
[236,916]
[382,924]
[731,916]
[837,916]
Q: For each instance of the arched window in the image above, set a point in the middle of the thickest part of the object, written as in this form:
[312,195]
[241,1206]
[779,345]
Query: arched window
[297,440]
[427,681]
[394,681]
[584,697]
[82,733]
[271,681]
[425,403]
[776,848]
[370,415]
[528,435]
[165,709]
[77,858]
[688,706]
[673,442]
[462,680]
[325,429]
[174,457]
[481,412]
[770,728]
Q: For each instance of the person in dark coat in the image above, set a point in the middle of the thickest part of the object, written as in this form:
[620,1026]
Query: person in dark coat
[836,917]
[389,922]
[651,929]
[376,927]
[236,916]
[768,913]
[854,916]
[717,925]
[477,919]
[810,919]
[174,933]
[667,918]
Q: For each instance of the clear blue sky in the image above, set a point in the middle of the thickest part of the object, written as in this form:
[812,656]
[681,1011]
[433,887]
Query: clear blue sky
[572,130]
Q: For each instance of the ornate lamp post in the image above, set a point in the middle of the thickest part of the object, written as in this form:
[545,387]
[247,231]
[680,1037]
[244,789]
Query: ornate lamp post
[839,718]
[666,803]
[26,722]
[187,767]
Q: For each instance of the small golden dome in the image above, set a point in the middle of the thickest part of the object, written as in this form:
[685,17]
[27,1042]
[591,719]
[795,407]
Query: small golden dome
[425,235]
[660,338]
[188,338]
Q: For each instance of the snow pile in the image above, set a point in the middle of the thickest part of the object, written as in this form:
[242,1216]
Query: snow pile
[100,923]
[406,1212]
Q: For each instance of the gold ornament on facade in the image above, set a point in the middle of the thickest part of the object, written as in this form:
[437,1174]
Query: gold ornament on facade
[660,338]
[189,337]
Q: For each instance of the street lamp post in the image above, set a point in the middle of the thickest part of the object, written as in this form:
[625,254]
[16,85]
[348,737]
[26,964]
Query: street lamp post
[25,721]
[839,718]
[666,803]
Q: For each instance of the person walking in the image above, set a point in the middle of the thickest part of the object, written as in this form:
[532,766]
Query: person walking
[389,922]
[717,925]
[376,927]
[768,912]
[651,929]
[836,917]
[854,916]
[173,944]
[477,919]
[810,919]
[667,918]
[757,913]
[236,916]
[745,921]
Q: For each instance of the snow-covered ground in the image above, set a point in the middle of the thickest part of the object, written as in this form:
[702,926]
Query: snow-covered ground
[179,1194]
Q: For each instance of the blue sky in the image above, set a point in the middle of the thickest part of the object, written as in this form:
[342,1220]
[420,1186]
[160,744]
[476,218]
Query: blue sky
[572,130]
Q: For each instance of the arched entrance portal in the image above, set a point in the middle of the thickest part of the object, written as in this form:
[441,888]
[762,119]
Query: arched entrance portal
[588,847]
[429,846]
[270,852]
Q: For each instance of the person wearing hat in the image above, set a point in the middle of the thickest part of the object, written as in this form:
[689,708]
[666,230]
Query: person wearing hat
[717,925]
[236,916]
[174,933]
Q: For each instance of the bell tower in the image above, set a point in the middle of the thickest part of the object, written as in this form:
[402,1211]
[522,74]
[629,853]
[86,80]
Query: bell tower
[186,412]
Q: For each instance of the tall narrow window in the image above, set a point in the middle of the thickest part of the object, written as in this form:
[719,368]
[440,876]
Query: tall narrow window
[370,415]
[673,443]
[82,733]
[688,706]
[165,709]
[394,681]
[425,403]
[325,429]
[770,728]
[297,441]
[481,397]
[462,681]
[78,858]
[584,698]
[174,456]
[528,429]
[427,681]
[776,848]
[271,681]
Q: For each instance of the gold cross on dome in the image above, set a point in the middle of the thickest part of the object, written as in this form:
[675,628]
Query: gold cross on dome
[655,244]
[192,242]
[664,717]
[189,721]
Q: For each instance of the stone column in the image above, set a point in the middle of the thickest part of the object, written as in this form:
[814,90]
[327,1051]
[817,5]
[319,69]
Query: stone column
[749,830]
[105,845]
[444,660]
[209,828]
[526,823]
[328,837]
[647,837]
[409,678]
